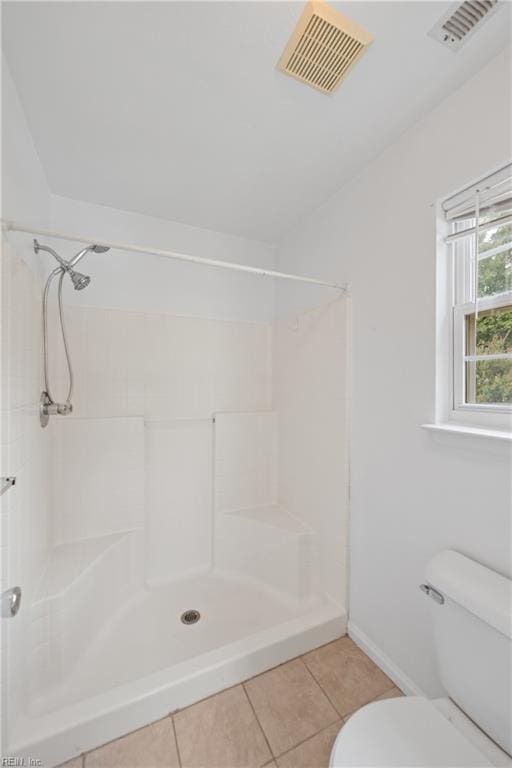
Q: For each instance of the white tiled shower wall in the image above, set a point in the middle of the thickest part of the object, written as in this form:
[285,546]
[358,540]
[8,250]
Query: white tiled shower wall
[312,399]
[25,196]
[97,477]
[175,373]
[178,467]
[246,470]
[25,516]
[165,367]
[171,373]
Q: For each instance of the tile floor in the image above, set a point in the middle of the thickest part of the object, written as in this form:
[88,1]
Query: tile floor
[287,717]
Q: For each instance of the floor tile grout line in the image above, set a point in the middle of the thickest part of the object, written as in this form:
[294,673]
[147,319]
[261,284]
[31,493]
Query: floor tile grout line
[353,711]
[293,658]
[258,721]
[125,735]
[176,740]
[339,718]
[331,702]
[388,690]
[340,722]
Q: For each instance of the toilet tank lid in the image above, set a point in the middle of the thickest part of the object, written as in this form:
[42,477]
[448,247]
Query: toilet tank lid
[476,588]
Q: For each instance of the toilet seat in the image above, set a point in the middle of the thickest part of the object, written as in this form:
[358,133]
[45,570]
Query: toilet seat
[408,732]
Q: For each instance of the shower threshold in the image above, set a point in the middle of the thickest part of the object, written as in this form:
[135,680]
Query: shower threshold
[146,662]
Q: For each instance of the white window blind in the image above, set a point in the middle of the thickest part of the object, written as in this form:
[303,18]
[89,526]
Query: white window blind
[493,197]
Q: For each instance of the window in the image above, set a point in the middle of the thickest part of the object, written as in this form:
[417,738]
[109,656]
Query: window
[477,250]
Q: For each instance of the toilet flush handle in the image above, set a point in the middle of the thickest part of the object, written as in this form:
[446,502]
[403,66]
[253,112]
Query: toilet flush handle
[433,593]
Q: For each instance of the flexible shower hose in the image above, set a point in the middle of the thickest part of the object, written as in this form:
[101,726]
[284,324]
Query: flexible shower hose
[58,271]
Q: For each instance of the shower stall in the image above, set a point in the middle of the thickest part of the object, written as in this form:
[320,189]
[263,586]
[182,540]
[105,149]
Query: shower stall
[179,524]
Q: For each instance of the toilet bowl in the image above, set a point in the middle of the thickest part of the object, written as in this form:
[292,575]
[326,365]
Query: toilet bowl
[413,732]
[472,622]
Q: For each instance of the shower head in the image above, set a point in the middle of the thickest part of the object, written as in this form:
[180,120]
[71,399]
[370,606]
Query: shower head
[90,248]
[79,281]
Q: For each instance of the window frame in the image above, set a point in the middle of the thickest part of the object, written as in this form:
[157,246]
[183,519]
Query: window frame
[453,287]
[460,313]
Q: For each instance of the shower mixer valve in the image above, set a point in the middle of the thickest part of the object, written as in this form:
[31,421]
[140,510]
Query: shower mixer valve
[48,408]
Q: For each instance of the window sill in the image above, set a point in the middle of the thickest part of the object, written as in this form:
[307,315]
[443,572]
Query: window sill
[460,429]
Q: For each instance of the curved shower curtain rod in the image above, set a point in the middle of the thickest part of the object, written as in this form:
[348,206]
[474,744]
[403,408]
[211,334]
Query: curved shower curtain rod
[14,226]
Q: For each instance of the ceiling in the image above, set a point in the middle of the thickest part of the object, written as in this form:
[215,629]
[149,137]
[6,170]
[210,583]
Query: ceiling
[177,110]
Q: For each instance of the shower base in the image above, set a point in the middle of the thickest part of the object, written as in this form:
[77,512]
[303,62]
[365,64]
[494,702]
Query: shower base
[145,662]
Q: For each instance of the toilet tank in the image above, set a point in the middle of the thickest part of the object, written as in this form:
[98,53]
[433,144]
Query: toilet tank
[473,637]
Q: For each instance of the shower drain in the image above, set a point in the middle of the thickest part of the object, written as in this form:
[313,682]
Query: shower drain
[190,617]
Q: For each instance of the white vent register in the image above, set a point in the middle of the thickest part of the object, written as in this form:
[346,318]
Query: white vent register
[461,21]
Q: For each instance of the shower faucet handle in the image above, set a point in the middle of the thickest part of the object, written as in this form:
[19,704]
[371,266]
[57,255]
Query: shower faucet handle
[58,409]
[10,602]
[63,409]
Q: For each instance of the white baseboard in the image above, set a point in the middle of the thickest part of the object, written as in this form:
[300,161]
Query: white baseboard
[383,661]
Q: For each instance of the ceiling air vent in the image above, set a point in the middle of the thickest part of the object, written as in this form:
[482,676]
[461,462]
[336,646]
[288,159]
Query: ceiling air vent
[461,21]
[323,48]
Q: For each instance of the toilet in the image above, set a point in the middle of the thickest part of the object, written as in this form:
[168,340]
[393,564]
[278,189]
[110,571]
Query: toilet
[472,620]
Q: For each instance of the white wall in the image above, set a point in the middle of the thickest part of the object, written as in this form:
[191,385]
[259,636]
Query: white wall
[146,283]
[25,194]
[412,494]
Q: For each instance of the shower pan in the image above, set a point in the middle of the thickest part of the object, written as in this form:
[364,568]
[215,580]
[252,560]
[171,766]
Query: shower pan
[194,513]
